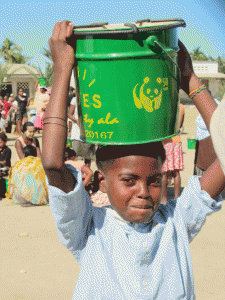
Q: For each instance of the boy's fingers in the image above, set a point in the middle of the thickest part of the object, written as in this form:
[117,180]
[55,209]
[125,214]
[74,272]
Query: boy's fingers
[69,30]
[63,30]
[56,31]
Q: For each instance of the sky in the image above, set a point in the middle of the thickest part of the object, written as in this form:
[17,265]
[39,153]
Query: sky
[30,24]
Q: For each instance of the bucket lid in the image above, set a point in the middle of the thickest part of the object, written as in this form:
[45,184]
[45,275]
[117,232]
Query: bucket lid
[145,25]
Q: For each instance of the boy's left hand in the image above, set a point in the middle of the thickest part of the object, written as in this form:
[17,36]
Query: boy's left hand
[62,53]
[186,67]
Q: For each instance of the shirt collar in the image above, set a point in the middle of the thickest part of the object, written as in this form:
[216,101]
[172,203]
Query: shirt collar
[136,226]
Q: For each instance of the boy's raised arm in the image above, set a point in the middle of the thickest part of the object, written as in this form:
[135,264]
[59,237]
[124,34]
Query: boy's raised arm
[55,121]
[213,181]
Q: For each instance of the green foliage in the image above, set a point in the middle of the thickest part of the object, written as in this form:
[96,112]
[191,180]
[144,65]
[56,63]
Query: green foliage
[12,53]
[198,55]
[221,89]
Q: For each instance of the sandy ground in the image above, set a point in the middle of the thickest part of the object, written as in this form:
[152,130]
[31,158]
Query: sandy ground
[35,265]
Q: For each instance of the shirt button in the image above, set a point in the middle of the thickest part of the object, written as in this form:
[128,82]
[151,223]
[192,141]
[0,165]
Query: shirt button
[213,205]
[145,245]
[144,282]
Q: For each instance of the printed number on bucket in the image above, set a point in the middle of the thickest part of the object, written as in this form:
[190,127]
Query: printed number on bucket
[103,135]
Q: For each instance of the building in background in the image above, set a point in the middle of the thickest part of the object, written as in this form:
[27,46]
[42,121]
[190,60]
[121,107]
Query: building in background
[207,71]
[19,76]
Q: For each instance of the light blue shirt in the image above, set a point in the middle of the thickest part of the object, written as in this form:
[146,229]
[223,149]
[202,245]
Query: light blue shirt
[32,119]
[202,131]
[126,261]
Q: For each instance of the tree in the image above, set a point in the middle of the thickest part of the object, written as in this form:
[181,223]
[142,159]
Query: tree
[198,55]
[49,70]
[12,53]
[47,53]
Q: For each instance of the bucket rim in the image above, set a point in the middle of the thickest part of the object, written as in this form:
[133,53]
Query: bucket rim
[94,29]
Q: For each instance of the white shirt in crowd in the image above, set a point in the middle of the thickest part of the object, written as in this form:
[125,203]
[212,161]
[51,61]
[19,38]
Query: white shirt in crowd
[75,131]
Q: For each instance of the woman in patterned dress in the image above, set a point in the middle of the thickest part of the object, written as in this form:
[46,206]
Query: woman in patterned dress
[174,161]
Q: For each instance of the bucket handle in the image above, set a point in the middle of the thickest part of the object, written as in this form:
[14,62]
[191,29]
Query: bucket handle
[153,41]
[91,25]
[133,26]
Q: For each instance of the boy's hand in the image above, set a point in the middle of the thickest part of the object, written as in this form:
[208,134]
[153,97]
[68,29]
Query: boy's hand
[186,67]
[62,52]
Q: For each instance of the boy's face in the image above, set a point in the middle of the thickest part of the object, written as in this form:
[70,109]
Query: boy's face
[133,185]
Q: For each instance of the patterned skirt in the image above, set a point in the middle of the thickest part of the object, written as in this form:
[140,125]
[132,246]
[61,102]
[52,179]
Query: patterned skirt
[27,182]
[100,198]
[174,157]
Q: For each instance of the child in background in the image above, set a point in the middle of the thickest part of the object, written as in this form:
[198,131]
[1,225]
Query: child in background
[5,162]
[97,197]
[136,248]
[174,161]
[87,174]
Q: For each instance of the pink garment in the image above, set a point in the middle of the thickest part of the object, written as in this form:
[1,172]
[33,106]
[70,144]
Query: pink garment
[174,157]
[100,198]
[7,108]
[38,122]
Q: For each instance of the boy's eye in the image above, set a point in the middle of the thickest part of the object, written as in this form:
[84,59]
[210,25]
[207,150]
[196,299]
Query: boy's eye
[129,181]
[156,182]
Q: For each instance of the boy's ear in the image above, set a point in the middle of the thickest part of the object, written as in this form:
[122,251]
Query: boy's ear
[102,183]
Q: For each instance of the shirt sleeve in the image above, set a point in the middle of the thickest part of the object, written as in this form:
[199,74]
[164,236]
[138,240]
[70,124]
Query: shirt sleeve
[72,213]
[194,205]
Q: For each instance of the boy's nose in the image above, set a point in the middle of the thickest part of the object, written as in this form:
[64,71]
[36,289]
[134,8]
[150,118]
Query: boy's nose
[143,191]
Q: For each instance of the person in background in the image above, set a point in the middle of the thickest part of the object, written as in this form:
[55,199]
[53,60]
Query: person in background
[29,188]
[33,114]
[10,113]
[40,103]
[71,95]
[15,114]
[174,161]
[27,139]
[5,99]
[87,174]
[23,103]
[5,151]
[5,163]
[2,119]
[205,154]
[84,150]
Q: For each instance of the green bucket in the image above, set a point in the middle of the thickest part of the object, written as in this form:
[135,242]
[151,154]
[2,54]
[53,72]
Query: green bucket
[127,80]
[191,143]
[42,81]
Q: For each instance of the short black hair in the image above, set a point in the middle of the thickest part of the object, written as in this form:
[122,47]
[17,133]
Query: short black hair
[3,137]
[106,155]
[30,150]
[69,153]
[27,124]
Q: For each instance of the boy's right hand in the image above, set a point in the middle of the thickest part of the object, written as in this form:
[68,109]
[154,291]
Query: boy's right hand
[186,67]
[62,53]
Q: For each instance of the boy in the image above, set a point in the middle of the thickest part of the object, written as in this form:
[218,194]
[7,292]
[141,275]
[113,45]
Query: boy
[136,248]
